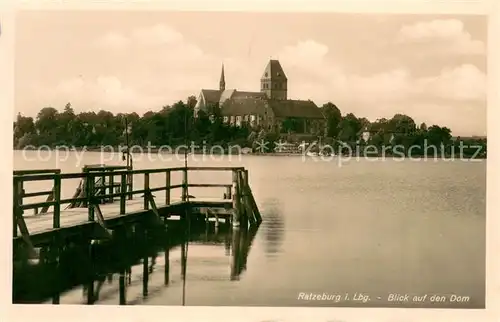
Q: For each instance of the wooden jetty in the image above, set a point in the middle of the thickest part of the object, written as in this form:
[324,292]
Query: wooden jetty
[106,199]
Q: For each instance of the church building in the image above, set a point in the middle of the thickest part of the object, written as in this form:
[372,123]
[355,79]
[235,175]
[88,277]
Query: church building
[269,108]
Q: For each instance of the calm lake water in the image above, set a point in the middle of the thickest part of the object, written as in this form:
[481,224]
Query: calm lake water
[363,228]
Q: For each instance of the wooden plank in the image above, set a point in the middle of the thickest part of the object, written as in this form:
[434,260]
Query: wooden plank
[90,195]
[35,171]
[184,185]
[57,199]
[254,206]
[77,193]
[23,229]
[167,186]
[146,189]
[50,198]
[235,200]
[101,222]
[123,190]
[151,200]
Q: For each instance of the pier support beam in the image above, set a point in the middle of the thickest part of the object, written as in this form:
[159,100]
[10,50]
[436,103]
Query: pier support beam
[236,200]
[123,288]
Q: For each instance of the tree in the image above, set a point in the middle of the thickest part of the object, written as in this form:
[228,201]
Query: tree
[47,126]
[349,128]
[333,119]
[24,131]
[174,124]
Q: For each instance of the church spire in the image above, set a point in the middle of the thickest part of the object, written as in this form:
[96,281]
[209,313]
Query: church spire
[222,83]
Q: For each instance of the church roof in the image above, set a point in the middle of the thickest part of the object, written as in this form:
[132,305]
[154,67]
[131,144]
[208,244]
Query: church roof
[280,108]
[295,108]
[211,96]
[274,70]
[235,94]
[238,94]
[244,106]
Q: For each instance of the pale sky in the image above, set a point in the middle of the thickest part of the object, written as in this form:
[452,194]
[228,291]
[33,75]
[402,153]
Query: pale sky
[432,68]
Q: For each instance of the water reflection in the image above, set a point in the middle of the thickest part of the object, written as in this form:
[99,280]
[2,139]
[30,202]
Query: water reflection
[273,227]
[125,269]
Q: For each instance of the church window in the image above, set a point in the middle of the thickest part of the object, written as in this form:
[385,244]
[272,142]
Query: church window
[226,119]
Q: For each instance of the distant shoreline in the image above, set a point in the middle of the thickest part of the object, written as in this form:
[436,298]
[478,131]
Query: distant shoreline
[273,154]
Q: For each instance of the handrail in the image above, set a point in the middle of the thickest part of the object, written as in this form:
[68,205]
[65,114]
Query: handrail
[119,194]
[79,175]
[31,172]
[92,193]
[107,190]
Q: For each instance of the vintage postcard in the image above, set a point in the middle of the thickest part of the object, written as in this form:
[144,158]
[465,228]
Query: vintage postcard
[327,162]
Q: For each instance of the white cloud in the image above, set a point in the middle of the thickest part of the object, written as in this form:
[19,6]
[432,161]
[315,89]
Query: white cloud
[309,53]
[448,36]
[103,92]
[156,35]
[465,82]
[145,69]
[164,42]
[112,40]
[455,97]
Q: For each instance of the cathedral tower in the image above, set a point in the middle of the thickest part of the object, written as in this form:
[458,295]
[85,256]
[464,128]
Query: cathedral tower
[274,81]
[222,82]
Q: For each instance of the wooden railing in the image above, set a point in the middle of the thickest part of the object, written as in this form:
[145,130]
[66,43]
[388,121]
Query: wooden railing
[239,191]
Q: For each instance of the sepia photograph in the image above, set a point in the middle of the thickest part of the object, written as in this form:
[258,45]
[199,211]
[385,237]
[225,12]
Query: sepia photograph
[249,159]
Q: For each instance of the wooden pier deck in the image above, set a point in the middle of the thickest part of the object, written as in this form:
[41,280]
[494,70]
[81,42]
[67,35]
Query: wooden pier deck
[107,198]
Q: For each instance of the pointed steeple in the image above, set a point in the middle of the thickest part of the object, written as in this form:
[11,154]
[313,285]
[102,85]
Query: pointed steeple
[222,83]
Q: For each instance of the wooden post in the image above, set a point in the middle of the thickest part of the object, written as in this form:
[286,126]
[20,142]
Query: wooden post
[54,258]
[235,254]
[123,193]
[184,184]
[85,186]
[247,209]
[17,202]
[183,258]
[90,195]
[146,191]
[123,297]
[90,285]
[167,187]
[111,186]
[145,275]
[56,220]
[236,196]
[167,264]
[130,182]
[103,183]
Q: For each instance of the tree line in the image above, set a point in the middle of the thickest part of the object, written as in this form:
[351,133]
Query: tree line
[173,125]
